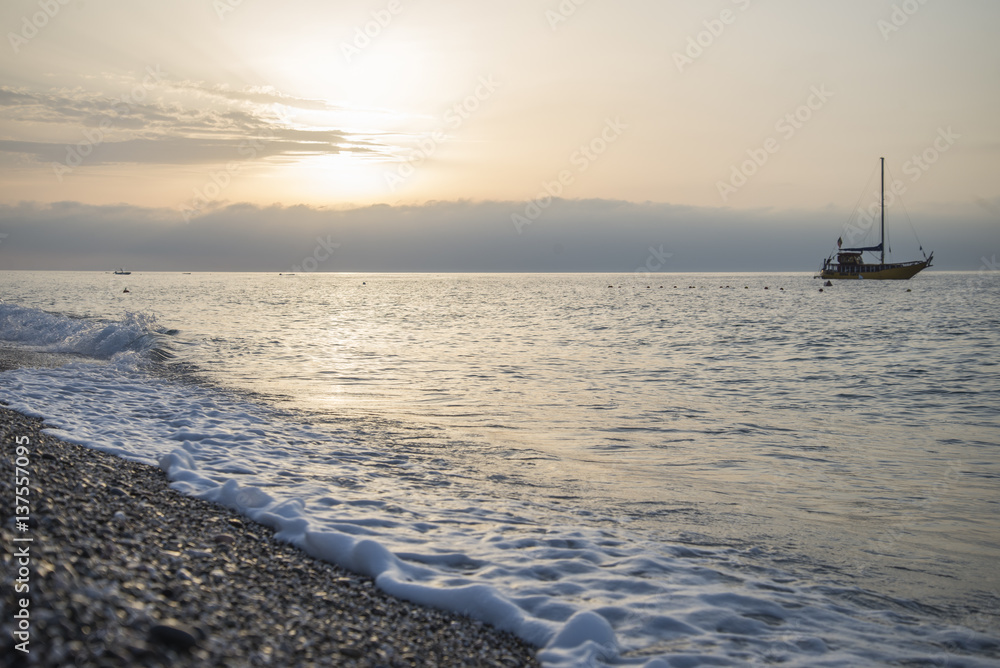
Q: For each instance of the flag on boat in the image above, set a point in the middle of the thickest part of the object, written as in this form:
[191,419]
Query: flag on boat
[840,241]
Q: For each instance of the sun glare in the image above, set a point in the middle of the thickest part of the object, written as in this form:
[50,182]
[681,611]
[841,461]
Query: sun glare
[340,177]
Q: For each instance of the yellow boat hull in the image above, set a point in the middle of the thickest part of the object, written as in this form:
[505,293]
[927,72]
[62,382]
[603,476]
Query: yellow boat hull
[901,271]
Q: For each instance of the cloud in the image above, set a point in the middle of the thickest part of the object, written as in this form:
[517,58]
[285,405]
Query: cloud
[54,107]
[168,131]
[262,95]
[179,150]
[457,236]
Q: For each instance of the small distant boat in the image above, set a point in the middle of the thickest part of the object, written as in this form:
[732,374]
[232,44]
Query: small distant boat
[850,262]
[120,271]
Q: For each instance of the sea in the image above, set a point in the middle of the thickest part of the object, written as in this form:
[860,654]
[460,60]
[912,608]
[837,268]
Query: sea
[623,469]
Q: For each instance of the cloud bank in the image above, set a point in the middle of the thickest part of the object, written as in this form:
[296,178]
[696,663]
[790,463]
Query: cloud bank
[569,236]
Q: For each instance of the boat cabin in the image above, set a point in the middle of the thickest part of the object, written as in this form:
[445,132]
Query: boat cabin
[849,258]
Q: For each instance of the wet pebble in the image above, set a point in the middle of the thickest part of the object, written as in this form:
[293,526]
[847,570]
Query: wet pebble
[173,636]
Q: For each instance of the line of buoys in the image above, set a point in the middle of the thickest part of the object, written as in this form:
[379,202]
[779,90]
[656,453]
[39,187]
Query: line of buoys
[721,287]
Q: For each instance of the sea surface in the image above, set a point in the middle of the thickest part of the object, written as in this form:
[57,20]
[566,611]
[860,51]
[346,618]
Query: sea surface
[660,470]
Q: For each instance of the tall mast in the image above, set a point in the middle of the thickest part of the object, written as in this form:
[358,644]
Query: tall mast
[882,245]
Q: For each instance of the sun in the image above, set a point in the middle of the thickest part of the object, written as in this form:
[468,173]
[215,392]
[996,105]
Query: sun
[343,177]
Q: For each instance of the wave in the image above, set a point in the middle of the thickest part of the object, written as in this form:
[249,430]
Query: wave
[102,339]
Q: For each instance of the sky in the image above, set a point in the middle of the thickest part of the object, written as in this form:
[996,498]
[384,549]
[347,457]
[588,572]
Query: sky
[529,135]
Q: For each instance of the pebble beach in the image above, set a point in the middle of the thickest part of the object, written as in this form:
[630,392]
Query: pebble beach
[125,571]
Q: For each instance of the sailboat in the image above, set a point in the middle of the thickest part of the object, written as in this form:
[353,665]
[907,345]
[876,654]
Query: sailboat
[851,264]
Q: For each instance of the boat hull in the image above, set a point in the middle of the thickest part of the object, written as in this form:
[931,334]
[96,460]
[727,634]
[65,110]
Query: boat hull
[897,271]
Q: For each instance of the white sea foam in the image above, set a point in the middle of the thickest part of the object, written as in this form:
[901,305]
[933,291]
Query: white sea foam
[54,333]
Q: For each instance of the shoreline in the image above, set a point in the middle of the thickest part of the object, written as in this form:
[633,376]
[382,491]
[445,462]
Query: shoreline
[127,571]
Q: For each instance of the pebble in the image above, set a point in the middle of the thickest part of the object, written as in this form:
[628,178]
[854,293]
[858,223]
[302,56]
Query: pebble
[198,554]
[173,636]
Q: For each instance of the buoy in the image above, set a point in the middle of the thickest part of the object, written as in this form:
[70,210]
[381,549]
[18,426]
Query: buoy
[821,289]
[125,290]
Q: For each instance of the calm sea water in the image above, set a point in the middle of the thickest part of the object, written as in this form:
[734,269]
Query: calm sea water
[848,437]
